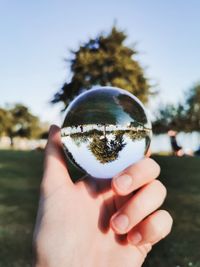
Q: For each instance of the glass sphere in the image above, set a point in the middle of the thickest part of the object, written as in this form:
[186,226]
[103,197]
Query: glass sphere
[105,130]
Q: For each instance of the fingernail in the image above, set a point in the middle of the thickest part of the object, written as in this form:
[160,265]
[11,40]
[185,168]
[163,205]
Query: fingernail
[123,182]
[135,238]
[120,222]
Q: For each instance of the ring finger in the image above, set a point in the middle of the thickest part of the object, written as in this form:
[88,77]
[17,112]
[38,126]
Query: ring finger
[143,203]
[151,230]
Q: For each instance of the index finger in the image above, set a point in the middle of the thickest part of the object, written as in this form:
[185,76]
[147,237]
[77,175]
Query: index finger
[135,176]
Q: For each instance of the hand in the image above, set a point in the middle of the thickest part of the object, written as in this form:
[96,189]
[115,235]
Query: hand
[94,222]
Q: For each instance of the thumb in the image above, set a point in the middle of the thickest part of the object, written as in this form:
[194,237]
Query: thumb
[55,169]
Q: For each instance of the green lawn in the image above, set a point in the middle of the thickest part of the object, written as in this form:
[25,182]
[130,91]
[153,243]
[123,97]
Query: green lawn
[182,247]
[20,174]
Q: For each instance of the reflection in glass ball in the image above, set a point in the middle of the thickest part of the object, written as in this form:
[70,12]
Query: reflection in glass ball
[105,130]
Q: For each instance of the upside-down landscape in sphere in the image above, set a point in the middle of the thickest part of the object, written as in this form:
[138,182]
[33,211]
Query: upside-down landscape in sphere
[105,130]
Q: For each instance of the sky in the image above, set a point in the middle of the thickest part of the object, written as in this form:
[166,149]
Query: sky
[36,36]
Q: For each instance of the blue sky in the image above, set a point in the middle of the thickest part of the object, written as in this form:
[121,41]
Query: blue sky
[35,37]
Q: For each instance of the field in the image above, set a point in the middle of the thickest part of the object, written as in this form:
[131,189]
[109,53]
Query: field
[20,174]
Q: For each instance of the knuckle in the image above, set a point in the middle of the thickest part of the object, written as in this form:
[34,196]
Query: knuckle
[146,166]
[137,205]
[145,249]
[161,230]
[168,219]
[156,230]
[160,187]
[155,166]
[167,215]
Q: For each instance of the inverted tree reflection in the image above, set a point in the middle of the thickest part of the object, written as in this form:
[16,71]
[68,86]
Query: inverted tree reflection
[106,141]
[106,150]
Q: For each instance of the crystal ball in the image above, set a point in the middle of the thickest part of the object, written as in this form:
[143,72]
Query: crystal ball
[105,130]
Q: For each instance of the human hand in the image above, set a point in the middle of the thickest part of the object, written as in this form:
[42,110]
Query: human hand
[108,223]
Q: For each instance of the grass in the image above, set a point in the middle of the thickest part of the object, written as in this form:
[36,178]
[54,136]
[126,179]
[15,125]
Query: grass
[20,174]
[182,247]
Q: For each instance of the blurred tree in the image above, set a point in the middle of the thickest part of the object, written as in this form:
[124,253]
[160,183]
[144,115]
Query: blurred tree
[104,61]
[106,150]
[3,115]
[167,118]
[182,117]
[18,121]
[192,109]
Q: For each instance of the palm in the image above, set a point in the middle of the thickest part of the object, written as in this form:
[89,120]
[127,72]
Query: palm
[95,203]
[80,217]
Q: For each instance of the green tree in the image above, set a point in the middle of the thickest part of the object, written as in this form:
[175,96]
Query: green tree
[167,118]
[184,116]
[3,116]
[106,61]
[106,151]
[192,109]
[17,120]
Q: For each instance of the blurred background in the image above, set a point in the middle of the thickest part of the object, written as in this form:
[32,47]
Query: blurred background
[50,52]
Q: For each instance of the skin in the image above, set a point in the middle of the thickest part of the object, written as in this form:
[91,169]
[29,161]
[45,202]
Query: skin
[101,223]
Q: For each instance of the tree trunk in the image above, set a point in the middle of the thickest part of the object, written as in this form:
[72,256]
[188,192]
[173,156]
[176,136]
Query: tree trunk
[11,141]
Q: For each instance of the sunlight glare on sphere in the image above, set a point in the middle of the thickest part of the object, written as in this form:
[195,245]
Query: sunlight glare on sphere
[105,130]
